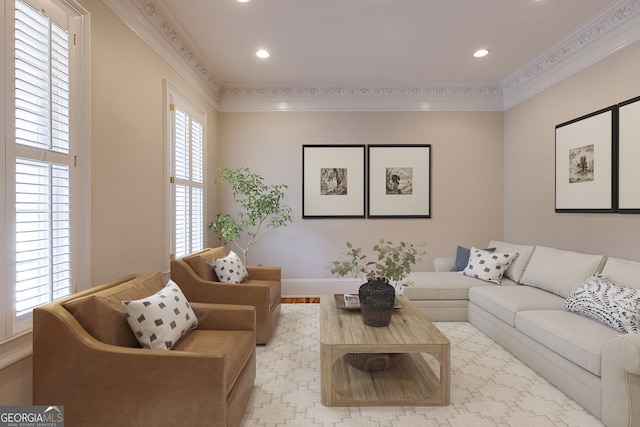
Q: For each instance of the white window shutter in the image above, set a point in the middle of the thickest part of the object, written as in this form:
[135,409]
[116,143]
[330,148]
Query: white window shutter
[188,171]
[42,164]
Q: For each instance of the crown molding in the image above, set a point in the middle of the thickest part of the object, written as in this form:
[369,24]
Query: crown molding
[147,20]
[346,98]
[609,31]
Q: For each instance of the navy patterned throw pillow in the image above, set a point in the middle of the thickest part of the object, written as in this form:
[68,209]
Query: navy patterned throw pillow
[608,303]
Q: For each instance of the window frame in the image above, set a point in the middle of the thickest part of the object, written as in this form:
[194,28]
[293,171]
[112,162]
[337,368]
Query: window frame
[174,97]
[15,334]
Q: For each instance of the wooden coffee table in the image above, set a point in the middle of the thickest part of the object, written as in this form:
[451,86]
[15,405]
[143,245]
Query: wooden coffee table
[411,382]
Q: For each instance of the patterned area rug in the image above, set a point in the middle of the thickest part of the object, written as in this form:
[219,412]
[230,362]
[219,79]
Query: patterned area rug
[489,387]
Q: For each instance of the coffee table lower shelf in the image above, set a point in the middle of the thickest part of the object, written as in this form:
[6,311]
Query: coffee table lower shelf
[410,383]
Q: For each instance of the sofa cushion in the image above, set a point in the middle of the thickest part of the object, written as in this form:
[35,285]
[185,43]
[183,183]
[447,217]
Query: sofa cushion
[612,305]
[517,267]
[202,262]
[462,257]
[505,302]
[101,315]
[488,265]
[444,285]
[622,272]
[160,320]
[574,337]
[230,269]
[559,271]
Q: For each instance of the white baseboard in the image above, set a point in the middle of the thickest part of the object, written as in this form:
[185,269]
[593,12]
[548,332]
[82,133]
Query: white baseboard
[317,287]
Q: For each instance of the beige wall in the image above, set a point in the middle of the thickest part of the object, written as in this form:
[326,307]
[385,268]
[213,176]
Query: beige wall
[467,180]
[529,151]
[128,149]
[128,155]
[15,383]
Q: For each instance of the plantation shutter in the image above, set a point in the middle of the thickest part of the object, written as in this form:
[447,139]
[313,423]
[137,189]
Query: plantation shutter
[188,181]
[42,160]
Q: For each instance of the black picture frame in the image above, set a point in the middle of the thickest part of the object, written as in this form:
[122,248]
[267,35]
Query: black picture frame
[629,156]
[586,163]
[399,181]
[333,181]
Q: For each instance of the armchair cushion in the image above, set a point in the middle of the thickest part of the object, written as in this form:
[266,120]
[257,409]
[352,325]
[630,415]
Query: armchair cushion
[202,262]
[160,320]
[101,314]
[230,269]
[237,346]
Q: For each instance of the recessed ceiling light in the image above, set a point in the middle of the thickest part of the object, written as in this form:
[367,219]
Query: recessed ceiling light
[481,52]
[262,53]
[243,1]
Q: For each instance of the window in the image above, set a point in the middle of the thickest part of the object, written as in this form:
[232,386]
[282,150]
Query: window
[45,118]
[187,174]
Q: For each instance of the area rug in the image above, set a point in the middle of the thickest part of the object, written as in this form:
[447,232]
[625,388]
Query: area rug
[489,387]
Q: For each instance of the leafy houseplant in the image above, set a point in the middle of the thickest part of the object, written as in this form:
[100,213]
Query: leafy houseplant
[393,263]
[263,209]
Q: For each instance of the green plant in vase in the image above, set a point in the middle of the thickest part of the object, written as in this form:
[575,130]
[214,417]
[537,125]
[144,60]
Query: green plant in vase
[391,263]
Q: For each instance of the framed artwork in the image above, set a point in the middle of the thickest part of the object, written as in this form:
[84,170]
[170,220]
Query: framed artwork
[586,163]
[333,181]
[399,181]
[629,156]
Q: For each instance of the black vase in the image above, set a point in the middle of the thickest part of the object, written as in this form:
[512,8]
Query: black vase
[377,298]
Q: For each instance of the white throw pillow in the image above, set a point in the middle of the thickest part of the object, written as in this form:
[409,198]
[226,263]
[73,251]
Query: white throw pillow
[488,266]
[608,303]
[160,320]
[230,269]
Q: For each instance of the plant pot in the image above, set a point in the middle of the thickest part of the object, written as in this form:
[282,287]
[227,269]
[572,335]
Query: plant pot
[377,297]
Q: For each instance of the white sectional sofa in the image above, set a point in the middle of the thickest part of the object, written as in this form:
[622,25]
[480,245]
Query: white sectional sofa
[593,363]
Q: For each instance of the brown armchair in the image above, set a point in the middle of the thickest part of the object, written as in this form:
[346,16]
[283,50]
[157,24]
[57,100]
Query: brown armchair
[195,276]
[86,358]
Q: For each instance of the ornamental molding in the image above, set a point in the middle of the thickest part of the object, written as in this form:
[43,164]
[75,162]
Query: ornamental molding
[585,36]
[163,24]
[615,27]
[360,91]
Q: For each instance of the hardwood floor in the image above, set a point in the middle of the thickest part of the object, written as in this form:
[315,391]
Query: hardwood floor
[301,300]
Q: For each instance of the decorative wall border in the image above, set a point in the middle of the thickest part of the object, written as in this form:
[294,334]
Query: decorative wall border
[156,16]
[580,39]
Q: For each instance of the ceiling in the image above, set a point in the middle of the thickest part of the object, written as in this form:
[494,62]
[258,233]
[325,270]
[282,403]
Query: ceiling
[380,51]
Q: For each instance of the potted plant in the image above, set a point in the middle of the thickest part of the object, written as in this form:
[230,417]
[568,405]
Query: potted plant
[391,264]
[262,209]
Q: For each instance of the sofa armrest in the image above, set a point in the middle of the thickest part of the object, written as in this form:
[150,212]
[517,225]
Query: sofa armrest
[621,380]
[225,317]
[259,272]
[443,263]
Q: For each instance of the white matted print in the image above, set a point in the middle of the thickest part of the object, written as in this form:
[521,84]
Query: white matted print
[629,156]
[399,181]
[333,181]
[585,163]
